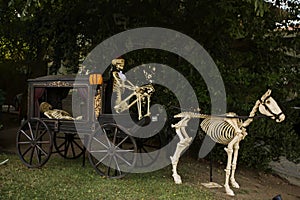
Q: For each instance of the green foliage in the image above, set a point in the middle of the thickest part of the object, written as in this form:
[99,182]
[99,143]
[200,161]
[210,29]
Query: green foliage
[267,141]
[2,97]
[241,36]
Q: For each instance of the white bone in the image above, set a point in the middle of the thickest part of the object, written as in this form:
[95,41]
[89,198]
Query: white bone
[226,130]
[141,93]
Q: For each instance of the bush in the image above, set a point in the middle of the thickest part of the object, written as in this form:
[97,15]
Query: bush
[268,140]
[2,99]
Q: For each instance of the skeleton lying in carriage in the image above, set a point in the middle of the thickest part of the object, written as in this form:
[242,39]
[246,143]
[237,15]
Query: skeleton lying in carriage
[112,149]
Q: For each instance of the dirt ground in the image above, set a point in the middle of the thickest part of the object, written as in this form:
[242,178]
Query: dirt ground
[255,185]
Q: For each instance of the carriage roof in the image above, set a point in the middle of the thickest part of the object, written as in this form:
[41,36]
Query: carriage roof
[68,78]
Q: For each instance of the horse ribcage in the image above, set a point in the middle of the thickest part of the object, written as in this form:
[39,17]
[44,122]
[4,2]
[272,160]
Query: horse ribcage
[219,130]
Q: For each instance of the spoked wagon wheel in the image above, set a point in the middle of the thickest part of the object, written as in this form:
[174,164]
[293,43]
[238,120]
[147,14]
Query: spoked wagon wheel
[112,152]
[68,145]
[34,143]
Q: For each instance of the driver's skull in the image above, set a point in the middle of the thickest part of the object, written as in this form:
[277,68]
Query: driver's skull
[119,63]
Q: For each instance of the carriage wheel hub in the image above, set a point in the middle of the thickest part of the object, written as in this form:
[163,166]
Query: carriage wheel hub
[33,143]
[111,151]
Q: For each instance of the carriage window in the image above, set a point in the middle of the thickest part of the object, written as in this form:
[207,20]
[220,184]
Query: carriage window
[77,98]
[61,101]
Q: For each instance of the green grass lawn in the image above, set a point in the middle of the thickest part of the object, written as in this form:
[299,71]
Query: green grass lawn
[67,179]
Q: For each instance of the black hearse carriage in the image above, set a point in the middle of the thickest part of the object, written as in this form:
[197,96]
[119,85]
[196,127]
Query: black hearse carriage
[112,149]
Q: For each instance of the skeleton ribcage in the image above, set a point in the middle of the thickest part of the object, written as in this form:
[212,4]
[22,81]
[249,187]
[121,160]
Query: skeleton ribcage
[219,130]
[117,80]
[117,87]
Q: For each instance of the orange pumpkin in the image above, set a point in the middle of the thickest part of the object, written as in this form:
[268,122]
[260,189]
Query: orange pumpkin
[95,79]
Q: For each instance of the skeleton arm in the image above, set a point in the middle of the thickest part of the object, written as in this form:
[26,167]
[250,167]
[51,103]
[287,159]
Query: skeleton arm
[141,93]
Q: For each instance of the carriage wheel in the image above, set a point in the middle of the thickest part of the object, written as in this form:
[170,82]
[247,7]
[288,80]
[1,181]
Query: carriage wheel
[34,143]
[148,150]
[112,152]
[68,145]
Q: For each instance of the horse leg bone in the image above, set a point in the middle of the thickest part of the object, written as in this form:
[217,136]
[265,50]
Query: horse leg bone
[233,166]
[183,131]
[181,146]
[229,151]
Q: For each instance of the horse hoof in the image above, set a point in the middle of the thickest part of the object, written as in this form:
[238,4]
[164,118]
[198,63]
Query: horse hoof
[229,191]
[235,184]
[177,179]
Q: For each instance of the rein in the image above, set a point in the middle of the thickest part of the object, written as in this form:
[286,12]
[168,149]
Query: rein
[262,102]
[239,116]
[223,116]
